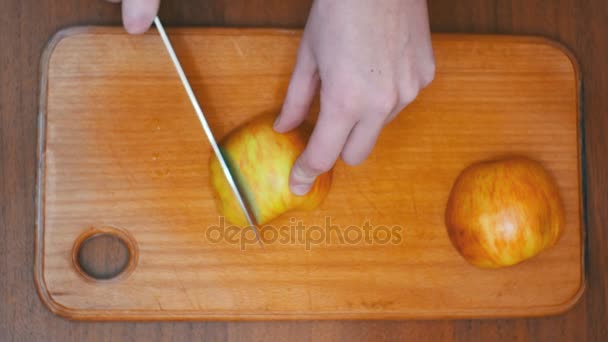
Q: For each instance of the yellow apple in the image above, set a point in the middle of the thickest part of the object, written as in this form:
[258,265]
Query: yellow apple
[502,212]
[260,159]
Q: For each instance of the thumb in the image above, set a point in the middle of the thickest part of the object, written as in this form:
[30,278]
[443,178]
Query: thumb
[138,15]
[300,93]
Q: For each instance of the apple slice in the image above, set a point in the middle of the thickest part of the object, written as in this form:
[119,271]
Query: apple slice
[260,160]
[503,212]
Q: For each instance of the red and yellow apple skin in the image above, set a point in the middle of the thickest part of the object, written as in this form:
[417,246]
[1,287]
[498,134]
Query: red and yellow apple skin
[503,212]
[260,159]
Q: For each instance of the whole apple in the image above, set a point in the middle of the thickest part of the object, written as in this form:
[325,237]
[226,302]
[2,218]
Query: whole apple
[502,212]
[260,159]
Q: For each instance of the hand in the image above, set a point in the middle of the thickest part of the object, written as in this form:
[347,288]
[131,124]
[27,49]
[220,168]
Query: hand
[138,15]
[371,58]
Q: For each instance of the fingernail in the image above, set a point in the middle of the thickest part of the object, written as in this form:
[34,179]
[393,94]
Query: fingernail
[301,189]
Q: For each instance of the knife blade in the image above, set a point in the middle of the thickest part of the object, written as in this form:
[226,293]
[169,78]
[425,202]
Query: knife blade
[206,128]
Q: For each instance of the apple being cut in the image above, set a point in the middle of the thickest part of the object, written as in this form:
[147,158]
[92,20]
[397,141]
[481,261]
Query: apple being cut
[502,212]
[260,159]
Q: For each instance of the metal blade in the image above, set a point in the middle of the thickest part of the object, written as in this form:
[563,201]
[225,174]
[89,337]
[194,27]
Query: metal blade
[206,128]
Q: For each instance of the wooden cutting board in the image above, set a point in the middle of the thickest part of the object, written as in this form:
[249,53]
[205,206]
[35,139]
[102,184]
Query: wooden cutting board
[122,152]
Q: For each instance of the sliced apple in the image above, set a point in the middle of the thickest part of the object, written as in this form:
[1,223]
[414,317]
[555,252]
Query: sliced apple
[261,160]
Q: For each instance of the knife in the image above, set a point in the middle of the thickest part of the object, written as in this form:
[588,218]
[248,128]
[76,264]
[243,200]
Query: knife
[201,117]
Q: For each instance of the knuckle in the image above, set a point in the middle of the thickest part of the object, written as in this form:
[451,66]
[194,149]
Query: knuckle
[357,99]
[412,85]
[318,165]
[383,102]
[408,94]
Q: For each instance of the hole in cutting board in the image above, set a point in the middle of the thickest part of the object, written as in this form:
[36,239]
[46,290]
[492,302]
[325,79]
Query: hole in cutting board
[104,254]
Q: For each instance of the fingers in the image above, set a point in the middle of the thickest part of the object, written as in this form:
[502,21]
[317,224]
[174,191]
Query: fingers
[301,91]
[323,149]
[137,15]
[361,140]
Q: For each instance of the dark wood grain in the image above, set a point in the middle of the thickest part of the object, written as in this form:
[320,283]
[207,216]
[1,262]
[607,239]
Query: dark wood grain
[26,26]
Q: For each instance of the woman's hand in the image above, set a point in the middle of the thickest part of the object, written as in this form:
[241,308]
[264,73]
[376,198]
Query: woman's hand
[370,58]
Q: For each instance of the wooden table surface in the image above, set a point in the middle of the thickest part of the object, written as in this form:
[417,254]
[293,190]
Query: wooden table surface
[26,26]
